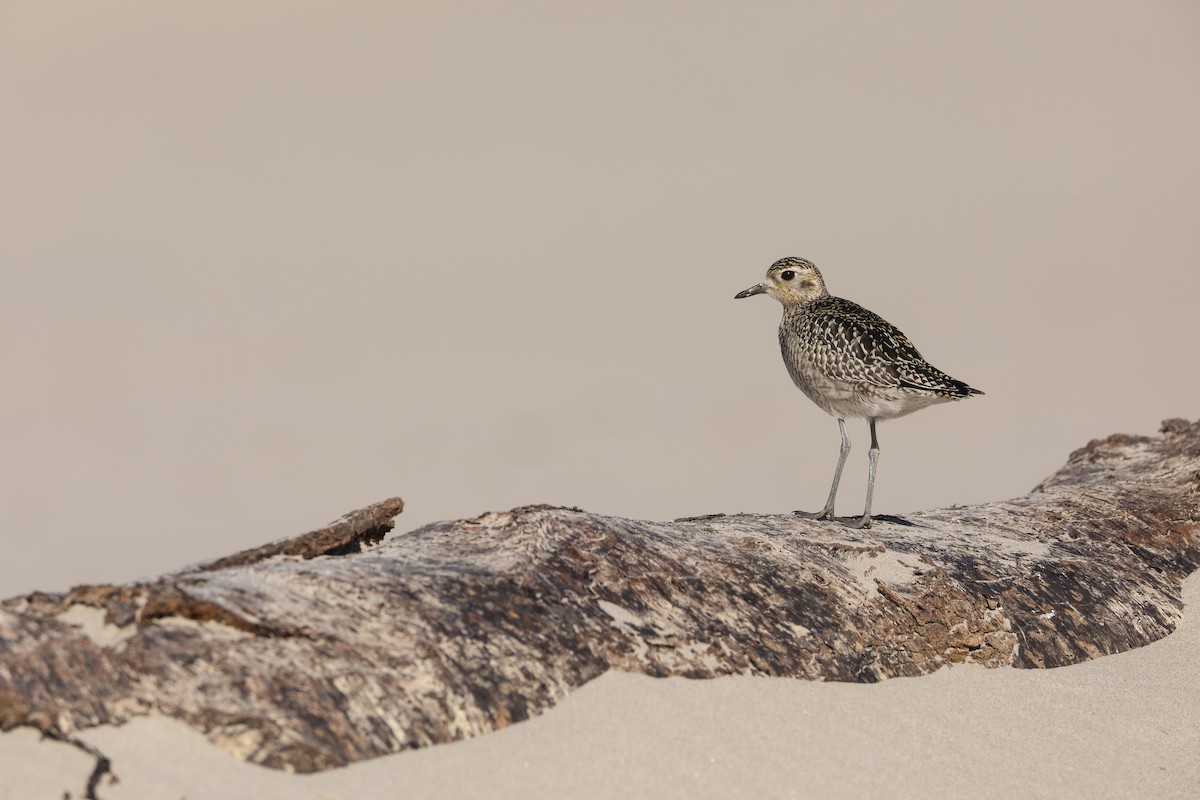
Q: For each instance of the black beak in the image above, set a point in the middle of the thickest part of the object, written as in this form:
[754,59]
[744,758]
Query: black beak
[757,288]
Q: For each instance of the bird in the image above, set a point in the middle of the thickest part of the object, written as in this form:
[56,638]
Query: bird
[851,362]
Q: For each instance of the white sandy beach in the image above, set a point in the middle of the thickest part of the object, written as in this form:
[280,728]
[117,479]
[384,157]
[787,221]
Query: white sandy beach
[264,263]
[1123,726]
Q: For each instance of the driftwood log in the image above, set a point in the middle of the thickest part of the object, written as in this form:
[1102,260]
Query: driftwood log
[323,650]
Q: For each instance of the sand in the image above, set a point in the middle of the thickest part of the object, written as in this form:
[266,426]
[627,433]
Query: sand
[267,263]
[1121,726]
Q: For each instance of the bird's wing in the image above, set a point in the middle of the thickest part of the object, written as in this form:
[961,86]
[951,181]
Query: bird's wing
[851,344]
[854,345]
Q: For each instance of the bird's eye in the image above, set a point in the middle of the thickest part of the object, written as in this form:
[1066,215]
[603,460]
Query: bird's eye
[787,274]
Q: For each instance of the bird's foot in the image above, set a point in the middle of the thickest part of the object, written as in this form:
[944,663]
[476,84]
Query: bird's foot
[824,513]
[862,522]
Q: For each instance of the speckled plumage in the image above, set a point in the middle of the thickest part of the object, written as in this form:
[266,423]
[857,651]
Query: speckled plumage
[852,362]
[849,361]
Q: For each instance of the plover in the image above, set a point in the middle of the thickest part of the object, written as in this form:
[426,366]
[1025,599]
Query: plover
[850,362]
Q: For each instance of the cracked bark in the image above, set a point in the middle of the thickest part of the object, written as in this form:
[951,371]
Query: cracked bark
[322,650]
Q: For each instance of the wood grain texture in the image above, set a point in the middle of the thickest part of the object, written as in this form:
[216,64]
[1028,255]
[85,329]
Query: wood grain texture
[323,650]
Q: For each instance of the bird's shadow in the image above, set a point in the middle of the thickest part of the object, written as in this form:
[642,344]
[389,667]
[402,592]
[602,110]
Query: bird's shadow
[892,518]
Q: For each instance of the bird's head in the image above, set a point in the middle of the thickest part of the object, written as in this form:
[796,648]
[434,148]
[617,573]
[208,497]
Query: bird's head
[791,281]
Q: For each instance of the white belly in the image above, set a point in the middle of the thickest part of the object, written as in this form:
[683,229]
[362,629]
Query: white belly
[862,400]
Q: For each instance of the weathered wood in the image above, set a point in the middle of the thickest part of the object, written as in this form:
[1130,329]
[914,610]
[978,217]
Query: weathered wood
[306,655]
[353,533]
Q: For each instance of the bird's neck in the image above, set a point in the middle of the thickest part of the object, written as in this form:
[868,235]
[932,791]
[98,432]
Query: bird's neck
[803,301]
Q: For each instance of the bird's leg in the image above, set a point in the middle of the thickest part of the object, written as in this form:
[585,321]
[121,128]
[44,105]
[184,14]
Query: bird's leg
[827,511]
[873,459]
